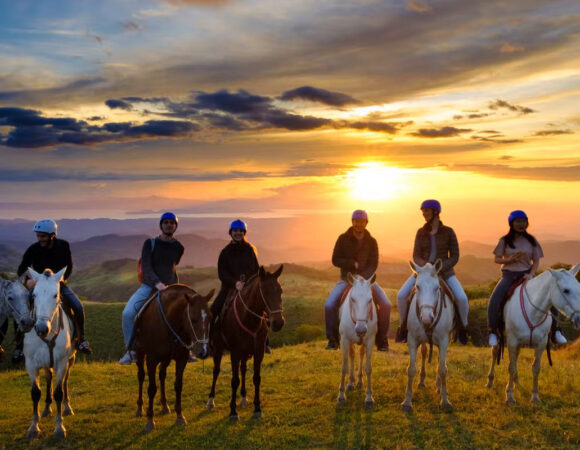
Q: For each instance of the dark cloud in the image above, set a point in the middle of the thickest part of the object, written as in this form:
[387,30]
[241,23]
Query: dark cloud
[499,104]
[548,173]
[318,95]
[132,26]
[552,132]
[495,140]
[440,132]
[241,102]
[225,122]
[118,104]
[162,128]
[470,116]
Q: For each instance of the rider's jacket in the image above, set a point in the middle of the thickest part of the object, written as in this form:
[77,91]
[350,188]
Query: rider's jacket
[53,258]
[349,249]
[160,265]
[446,244]
[237,259]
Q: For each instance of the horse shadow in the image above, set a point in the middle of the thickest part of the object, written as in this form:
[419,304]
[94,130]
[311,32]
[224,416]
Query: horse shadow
[353,426]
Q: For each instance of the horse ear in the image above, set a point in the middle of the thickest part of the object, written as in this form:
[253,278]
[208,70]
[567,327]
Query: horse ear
[279,271]
[438,265]
[413,267]
[262,272]
[349,278]
[574,270]
[60,274]
[33,273]
[373,278]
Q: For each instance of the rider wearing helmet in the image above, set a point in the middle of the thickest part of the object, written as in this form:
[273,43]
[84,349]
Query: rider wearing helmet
[237,262]
[52,253]
[159,259]
[357,252]
[519,254]
[434,241]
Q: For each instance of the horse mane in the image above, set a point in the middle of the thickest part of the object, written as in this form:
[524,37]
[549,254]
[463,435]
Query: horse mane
[48,273]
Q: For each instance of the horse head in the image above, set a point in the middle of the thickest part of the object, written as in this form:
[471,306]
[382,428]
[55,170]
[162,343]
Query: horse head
[46,296]
[16,297]
[566,295]
[361,297]
[427,290]
[200,319]
[271,293]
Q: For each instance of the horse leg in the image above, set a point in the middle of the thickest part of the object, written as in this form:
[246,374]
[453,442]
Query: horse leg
[162,397]
[407,405]
[257,379]
[179,368]
[234,383]
[491,374]
[368,350]
[59,430]
[536,372]
[351,363]
[47,411]
[217,359]
[423,372]
[243,368]
[35,394]
[151,391]
[140,378]
[362,352]
[513,373]
[67,410]
[345,347]
[442,372]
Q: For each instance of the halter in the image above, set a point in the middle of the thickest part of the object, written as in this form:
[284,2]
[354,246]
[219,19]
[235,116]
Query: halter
[369,314]
[437,308]
[204,341]
[50,343]
[15,313]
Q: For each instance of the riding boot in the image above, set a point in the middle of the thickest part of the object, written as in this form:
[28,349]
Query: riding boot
[1,354]
[17,353]
[401,336]
[556,335]
[462,334]
[82,345]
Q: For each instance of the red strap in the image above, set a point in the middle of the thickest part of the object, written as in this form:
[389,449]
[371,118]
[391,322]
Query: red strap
[246,329]
[530,325]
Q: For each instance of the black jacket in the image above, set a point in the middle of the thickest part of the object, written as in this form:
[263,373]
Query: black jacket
[54,258]
[235,260]
[161,263]
[347,251]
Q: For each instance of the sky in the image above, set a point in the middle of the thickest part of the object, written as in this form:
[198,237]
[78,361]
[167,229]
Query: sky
[308,109]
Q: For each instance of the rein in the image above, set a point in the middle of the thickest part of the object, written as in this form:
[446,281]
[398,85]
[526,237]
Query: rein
[437,308]
[197,340]
[531,326]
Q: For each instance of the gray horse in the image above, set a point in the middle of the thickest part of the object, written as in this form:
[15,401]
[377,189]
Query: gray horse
[14,303]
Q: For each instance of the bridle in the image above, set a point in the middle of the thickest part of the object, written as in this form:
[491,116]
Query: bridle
[369,315]
[50,343]
[203,341]
[437,309]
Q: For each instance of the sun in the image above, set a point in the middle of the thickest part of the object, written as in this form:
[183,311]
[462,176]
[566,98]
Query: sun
[374,181]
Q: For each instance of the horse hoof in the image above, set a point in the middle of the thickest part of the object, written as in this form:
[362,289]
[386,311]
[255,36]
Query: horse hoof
[350,387]
[234,418]
[405,407]
[180,421]
[369,404]
[257,415]
[536,400]
[139,412]
[422,385]
[489,384]
[33,433]
[510,401]
[68,411]
[341,400]
[47,411]
[165,410]
[243,402]
[359,384]
[210,404]
[446,406]
[149,427]
[60,433]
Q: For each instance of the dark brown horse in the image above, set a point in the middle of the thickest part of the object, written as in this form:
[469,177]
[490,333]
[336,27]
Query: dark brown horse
[174,323]
[243,330]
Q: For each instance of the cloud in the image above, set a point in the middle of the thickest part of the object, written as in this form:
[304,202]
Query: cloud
[443,132]
[552,132]
[118,104]
[418,6]
[235,103]
[545,173]
[494,139]
[498,104]
[470,116]
[132,26]
[318,95]
[506,47]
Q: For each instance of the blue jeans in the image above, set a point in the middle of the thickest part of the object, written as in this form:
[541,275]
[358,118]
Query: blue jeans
[132,308]
[454,285]
[331,307]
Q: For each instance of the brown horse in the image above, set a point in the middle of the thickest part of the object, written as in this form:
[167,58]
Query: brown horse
[171,325]
[243,330]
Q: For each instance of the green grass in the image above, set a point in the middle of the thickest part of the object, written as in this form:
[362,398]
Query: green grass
[299,389]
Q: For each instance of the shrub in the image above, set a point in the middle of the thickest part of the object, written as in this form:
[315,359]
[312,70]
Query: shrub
[307,332]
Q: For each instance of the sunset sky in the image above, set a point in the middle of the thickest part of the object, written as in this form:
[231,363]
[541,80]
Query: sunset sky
[293,108]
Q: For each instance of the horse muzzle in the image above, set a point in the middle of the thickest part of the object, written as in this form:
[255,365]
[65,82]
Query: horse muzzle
[42,329]
[278,323]
[427,318]
[360,329]
[26,324]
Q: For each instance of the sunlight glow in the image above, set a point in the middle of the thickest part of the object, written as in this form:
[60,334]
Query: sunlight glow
[373,181]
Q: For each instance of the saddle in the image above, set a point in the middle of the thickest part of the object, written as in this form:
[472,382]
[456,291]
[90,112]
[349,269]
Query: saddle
[347,290]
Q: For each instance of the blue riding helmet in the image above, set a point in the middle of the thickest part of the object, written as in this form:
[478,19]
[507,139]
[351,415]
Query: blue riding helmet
[238,225]
[433,204]
[46,226]
[168,215]
[517,214]
[360,214]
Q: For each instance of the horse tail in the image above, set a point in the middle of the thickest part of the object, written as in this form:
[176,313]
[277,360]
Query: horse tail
[549,352]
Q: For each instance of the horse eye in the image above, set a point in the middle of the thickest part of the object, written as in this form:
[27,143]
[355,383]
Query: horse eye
[566,291]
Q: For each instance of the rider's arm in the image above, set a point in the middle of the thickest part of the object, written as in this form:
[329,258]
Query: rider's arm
[372,262]
[67,259]
[417,250]
[225,275]
[339,258]
[453,249]
[150,278]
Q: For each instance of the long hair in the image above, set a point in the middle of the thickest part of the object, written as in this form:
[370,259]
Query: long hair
[511,235]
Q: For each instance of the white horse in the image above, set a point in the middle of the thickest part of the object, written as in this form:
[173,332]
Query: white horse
[358,325]
[14,303]
[49,346]
[430,319]
[528,320]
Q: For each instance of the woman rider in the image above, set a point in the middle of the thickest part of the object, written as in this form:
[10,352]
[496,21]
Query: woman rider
[434,241]
[519,254]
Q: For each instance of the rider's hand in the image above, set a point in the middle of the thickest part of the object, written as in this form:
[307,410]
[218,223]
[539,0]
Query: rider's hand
[356,265]
[528,276]
[239,285]
[160,286]
[30,283]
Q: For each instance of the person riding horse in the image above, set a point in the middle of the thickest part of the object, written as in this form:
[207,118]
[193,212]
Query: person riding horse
[434,241]
[52,253]
[519,254]
[159,259]
[237,262]
[357,252]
